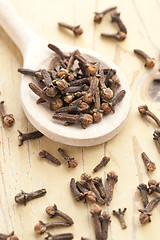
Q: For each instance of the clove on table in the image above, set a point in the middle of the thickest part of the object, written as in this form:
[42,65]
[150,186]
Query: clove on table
[75,88]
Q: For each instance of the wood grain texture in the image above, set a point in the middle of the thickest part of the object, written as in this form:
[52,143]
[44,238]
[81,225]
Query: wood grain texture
[21,167]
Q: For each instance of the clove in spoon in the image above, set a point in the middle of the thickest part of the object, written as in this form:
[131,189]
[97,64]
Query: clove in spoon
[37,55]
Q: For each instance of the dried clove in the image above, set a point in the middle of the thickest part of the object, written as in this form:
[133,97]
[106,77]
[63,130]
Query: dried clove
[149,62]
[84,119]
[144,193]
[7,119]
[153,186]
[111,180]
[89,182]
[62,236]
[99,15]
[29,72]
[27,136]
[48,156]
[120,216]
[96,215]
[57,50]
[151,166]
[105,221]
[77,30]
[99,185]
[115,16]
[146,212]
[144,111]
[72,162]
[120,36]
[10,236]
[90,197]
[54,211]
[76,193]
[156,138]
[23,197]
[103,163]
[42,227]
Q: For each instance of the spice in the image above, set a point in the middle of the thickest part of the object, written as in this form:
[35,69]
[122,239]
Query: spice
[84,238]
[105,221]
[111,180]
[49,157]
[99,15]
[96,215]
[11,236]
[77,30]
[76,193]
[149,62]
[27,136]
[54,211]
[23,197]
[99,185]
[7,119]
[115,16]
[145,111]
[151,166]
[72,80]
[103,163]
[120,36]
[120,216]
[62,236]
[153,186]
[156,138]
[42,227]
[90,197]
[144,193]
[89,182]
[146,212]
[72,163]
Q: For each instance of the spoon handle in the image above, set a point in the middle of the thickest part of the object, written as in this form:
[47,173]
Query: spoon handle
[14,26]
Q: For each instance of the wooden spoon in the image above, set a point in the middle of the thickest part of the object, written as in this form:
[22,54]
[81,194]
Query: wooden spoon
[36,55]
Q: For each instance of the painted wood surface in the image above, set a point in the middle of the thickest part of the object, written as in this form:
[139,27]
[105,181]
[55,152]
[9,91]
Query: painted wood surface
[21,167]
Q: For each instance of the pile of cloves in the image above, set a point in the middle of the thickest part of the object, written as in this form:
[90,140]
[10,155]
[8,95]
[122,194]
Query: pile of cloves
[153,187]
[92,190]
[77,90]
[53,211]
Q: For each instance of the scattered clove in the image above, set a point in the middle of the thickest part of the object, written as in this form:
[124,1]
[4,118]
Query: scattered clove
[146,212]
[99,185]
[120,216]
[144,193]
[103,163]
[153,186]
[96,215]
[105,221]
[151,166]
[149,62]
[7,119]
[75,29]
[72,163]
[120,36]
[23,198]
[27,136]
[145,111]
[115,16]
[90,197]
[62,236]
[53,211]
[111,180]
[76,193]
[49,157]
[156,138]
[99,15]
[10,236]
[42,227]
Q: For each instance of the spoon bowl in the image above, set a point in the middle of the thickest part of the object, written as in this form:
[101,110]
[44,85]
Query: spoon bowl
[37,55]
